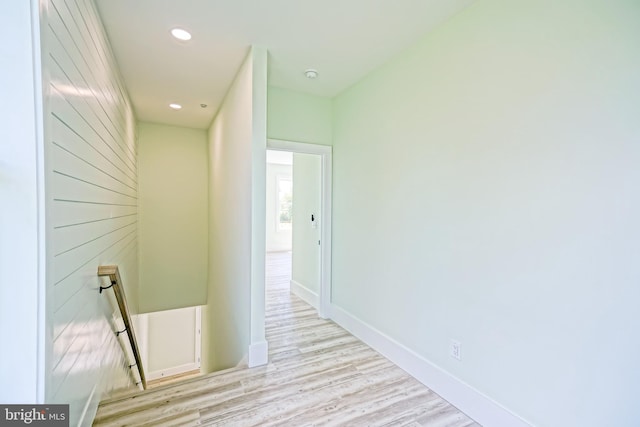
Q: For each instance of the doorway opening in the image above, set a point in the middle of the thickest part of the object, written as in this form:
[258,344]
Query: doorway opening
[298,221]
[279,222]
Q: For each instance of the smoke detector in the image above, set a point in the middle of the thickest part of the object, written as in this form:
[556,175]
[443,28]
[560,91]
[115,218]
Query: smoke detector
[311,74]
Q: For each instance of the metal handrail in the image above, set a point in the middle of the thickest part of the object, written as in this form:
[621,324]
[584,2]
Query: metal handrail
[116,284]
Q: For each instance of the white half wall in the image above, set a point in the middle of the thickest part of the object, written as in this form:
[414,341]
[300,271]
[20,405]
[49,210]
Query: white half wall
[172,342]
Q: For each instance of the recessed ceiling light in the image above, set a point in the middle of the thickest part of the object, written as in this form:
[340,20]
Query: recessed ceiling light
[175,106]
[181,34]
[311,73]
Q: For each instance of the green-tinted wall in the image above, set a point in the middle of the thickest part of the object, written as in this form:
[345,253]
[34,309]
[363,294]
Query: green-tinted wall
[486,190]
[307,186]
[226,317]
[298,117]
[174,210]
[233,319]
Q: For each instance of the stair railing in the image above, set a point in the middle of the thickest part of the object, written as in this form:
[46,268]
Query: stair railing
[116,284]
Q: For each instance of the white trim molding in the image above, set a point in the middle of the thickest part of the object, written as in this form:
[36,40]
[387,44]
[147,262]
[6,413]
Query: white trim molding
[176,370]
[472,402]
[91,406]
[258,354]
[302,292]
[325,151]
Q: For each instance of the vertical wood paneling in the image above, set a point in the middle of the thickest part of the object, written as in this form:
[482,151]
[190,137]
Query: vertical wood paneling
[92,205]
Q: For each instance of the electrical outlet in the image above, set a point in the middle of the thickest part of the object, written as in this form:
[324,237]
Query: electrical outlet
[455,349]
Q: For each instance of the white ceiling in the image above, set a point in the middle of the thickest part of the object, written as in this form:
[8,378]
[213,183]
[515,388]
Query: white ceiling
[343,39]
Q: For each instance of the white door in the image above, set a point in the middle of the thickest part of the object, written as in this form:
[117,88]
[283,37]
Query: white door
[170,341]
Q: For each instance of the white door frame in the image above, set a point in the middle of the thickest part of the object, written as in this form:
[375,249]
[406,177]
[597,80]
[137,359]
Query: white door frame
[325,152]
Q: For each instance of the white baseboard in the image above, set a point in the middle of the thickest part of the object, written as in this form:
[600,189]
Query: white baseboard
[163,373]
[258,354]
[90,407]
[305,294]
[476,405]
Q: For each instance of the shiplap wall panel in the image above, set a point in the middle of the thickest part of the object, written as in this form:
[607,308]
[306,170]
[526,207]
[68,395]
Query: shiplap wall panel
[73,264]
[67,314]
[70,238]
[66,74]
[68,162]
[72,188]
[92,205]
[75,111]
[69,347]
[80,70]
[63,136]
[65,139]
[66,214]
[111,93]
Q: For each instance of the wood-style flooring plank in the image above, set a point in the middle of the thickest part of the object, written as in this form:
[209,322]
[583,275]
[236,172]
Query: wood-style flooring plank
[318,375]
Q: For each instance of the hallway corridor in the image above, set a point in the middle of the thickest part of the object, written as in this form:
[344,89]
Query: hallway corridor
[318,374]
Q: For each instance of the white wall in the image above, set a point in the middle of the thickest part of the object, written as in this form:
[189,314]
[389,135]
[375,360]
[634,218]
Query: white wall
[486,190]
[228,317]
[22,287]
[91,205]
[307,189]
[277,239]
[173,173]
[170,341]
[298,117]
[258,350]
[226,329]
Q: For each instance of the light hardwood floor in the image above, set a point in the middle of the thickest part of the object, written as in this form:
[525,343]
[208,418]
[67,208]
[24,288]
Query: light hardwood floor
[318,375]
